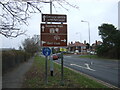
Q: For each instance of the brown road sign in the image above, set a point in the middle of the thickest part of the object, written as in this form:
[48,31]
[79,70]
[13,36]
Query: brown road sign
[54,18]
[53,35]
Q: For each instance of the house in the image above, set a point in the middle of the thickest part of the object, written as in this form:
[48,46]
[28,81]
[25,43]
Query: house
[77,47]
[94,45]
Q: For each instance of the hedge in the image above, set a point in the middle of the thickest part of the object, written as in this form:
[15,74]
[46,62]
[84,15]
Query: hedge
[12,58]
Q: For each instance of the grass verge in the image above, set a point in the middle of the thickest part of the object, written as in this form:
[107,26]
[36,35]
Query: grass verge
[96,57]
[90,56]
[35,77]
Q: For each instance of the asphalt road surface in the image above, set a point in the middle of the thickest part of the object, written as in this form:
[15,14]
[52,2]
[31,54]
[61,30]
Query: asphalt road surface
[105,70]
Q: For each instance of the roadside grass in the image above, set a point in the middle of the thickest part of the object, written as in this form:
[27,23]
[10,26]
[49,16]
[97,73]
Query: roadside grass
[96,57]
[35,77]
[90,56]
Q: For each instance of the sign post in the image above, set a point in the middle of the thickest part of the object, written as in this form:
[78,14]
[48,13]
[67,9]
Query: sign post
[54,35]
[51,65]
[62,69]
[46,77]
[46,52]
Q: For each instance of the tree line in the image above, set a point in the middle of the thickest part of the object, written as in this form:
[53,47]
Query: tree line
[110,36]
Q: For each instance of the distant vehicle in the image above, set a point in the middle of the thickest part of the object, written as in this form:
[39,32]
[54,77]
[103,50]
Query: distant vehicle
[93,53]
[76,51]
[59,55]
[54,57]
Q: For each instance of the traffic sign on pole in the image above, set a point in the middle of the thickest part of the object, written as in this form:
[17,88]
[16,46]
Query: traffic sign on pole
[46,51]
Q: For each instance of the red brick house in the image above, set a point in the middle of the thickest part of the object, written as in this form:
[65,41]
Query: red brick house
[77,47]
[94,45]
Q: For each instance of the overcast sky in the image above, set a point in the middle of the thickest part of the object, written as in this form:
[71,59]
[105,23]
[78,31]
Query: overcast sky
[96,12]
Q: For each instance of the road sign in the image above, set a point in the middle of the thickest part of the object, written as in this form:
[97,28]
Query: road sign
[53,35]
[63,49]
[46,51]
[54,18]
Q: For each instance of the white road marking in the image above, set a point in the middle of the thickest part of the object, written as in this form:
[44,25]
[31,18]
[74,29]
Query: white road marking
[84,67]
[68,56]
[89,67]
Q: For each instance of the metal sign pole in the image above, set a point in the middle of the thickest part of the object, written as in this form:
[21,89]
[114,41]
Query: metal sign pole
[62,83]
[46,81]
[46,52]
[51,65]
[51,61]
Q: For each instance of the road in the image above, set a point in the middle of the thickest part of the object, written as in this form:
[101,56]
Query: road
[105,70]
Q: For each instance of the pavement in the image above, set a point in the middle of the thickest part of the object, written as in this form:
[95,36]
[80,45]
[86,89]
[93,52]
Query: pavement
[14,78]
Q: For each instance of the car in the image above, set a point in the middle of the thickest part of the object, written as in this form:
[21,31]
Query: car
[59,55]
[54,57]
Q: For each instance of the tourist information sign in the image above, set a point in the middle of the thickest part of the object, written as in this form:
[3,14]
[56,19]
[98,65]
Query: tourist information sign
[53,35]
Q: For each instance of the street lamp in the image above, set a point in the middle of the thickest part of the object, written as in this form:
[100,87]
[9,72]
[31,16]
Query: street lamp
[88,31]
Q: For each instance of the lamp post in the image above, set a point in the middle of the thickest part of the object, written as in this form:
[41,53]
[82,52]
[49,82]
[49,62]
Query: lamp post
[88,32]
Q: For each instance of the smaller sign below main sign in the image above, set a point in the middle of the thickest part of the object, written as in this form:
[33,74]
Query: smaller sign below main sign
[54,18]
[46,51]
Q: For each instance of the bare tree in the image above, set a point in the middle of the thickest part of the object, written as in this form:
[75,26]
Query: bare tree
[16,13]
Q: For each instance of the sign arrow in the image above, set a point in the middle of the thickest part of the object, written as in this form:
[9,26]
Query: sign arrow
[43,42]
[64,40]
[43,28]
[44,18]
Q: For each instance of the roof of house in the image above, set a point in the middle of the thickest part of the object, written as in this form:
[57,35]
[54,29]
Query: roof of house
[98,43]
[76,44]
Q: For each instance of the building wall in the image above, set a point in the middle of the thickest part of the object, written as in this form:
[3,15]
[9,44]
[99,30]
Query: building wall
[119,15]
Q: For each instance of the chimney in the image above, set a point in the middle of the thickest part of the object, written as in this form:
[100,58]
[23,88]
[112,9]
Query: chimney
[85,42]
[96,42]
[71,42]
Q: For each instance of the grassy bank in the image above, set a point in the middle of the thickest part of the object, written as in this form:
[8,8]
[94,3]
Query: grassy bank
[95,57]
[90,56]
[35,77]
